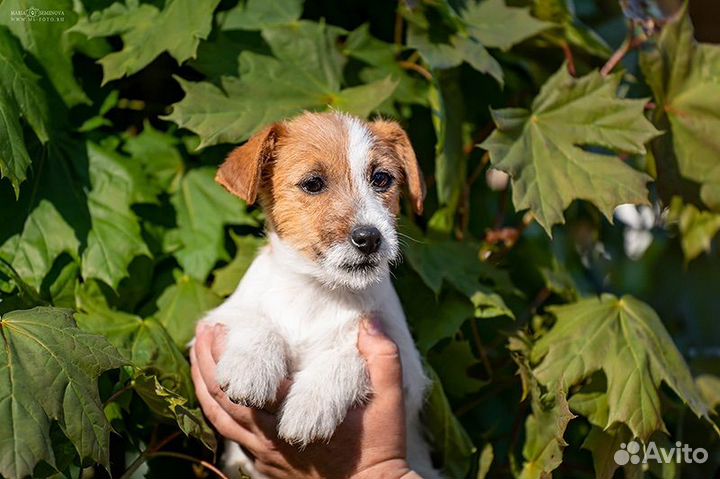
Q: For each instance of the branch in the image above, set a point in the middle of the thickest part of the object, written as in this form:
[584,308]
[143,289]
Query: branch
[146,455]
[187,457]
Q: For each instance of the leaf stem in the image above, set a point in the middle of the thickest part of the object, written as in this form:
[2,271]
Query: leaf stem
[398,33]
[187,457]
[407,65]
[147,454]
[569,58]
[481,348]
[118,393]
[630,43]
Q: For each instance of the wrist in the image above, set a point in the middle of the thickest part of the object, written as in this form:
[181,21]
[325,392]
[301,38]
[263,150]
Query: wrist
[391,469]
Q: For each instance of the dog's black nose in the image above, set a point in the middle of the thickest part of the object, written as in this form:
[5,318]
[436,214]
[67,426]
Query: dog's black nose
[366,239]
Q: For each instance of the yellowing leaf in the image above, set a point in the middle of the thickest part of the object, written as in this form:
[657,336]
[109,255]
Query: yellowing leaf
[147,32]
[542,150]
[545,429]
[697,228]
[48,372]
[304,73]
[685,78]
[169,404]
[627,341]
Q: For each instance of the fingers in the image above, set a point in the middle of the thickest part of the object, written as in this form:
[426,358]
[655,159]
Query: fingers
[223,422]
[383,359]
[205,364]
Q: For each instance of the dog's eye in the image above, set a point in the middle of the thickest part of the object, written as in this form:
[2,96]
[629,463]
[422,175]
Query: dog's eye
[313,185]
[381,180]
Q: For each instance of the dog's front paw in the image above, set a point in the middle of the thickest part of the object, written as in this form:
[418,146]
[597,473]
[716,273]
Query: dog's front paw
[309,417]
[250,381]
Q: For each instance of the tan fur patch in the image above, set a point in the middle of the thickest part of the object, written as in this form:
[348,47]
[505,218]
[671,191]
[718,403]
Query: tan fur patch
[276,161]
[312,144]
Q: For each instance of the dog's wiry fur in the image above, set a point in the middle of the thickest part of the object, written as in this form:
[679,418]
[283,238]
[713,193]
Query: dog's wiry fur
[297,310]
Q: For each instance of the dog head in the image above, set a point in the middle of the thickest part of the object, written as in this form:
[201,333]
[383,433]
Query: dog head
[330,186]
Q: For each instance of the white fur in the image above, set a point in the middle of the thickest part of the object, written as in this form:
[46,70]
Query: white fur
[292,316]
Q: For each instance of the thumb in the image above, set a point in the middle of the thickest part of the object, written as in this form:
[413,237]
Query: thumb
[383,361]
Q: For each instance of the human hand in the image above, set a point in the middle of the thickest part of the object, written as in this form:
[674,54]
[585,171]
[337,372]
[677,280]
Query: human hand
[369,443]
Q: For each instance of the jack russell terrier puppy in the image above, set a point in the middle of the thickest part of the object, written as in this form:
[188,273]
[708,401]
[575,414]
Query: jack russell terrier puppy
[330,186]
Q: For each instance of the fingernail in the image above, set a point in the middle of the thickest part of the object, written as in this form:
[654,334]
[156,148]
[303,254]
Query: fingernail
[201,328]
[373,326]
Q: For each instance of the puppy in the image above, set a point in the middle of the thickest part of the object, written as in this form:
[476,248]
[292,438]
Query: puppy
[330,187]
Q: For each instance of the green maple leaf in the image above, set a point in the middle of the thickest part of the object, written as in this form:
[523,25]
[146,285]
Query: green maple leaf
[451,363]
[562,13]
[44,237]
[496,25]
[382,62]
[181,305]
[259,14]
[228,277]
[158,158]
[685,78]
[20,96]
[480,25]
[541,148]
[49,218]
[304,73]
[114,238]
[48,42]
[147,32]
[203,209]
[49,369]
[143,342]
[450,439]
[627,341]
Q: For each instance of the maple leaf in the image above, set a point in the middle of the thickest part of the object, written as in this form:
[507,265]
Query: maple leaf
[543,148]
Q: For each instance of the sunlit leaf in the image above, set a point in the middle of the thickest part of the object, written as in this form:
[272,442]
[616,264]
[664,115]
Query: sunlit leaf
[685,78]
[304,73]
[147,32]
[203,209]
[627,341]
[182,305]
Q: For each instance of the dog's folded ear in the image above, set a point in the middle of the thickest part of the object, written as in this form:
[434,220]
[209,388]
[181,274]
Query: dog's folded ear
[394,138]
[241,172]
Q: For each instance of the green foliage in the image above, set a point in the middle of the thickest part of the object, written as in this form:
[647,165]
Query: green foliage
[542,149]
[50,368]
[547,352]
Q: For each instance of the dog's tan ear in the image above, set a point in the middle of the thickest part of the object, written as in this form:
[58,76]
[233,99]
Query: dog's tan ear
[241,172]
[392,136]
